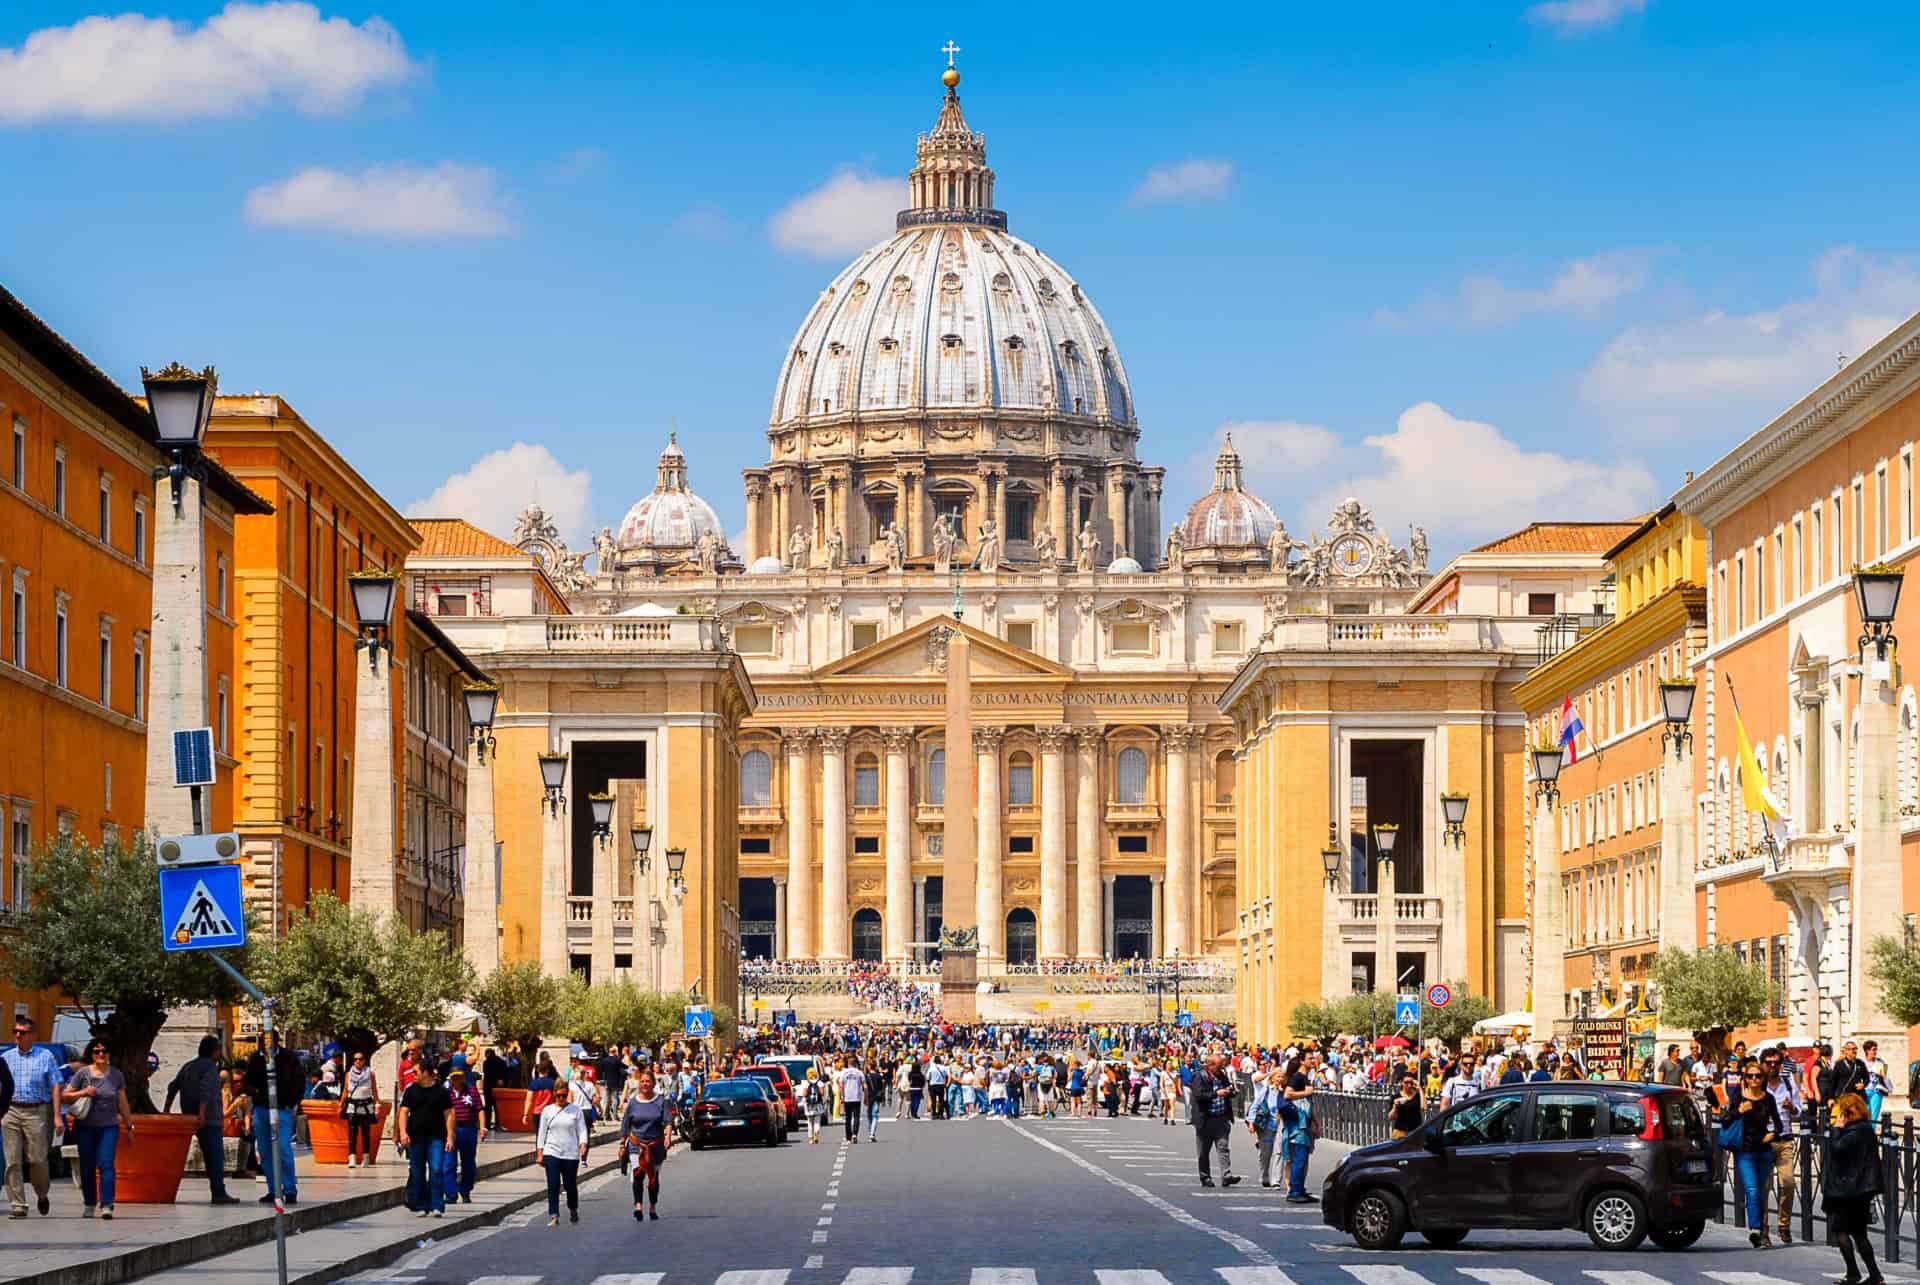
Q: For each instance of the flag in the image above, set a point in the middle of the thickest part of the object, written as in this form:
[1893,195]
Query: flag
[1754,794]
[1570,729]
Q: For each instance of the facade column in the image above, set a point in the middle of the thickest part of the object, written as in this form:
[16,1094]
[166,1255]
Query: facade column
[900,929]
[1549,923]
[374,851]
[910,516]
[779,918]
[1053,842]
[991,849]
[1057,508]
[1106,913]
[919,908]
[797,742]
[1679,929]
[177,652]
[553,891]
[1386,924]
[834,941]
[756,516]
[1878,908]
[1159,916]
[601,905]
[1086,842]
[1179,739]
[1117,546]
[480,929]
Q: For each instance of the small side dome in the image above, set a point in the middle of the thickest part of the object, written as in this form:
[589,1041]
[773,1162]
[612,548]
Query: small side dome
[1123,565]
[671,517]
[767,566]
[1229,517]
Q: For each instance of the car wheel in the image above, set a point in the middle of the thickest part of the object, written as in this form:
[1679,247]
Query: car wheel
[695,1143]
[1616,1220]
[1378,1220]
[773,1136]
[1444,1237]
[1678,1236]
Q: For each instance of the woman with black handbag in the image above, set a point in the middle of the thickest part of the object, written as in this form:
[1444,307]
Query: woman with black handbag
[1850,1179]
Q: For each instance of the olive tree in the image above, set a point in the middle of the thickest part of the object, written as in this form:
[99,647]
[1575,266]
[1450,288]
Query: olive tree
[522,1006]
[1709,992]
[1894,965]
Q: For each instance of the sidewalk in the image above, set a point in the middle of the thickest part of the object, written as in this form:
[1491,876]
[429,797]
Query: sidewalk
[66,1249]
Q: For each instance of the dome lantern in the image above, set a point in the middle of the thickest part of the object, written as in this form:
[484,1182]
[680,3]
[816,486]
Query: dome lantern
[950,181]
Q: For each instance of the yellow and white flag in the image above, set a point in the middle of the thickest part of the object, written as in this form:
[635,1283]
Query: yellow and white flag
[1755,795]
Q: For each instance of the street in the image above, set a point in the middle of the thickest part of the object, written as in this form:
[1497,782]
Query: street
[1028,1202]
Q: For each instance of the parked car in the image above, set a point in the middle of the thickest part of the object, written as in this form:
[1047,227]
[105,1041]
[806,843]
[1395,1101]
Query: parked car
[1621,1162]
[796,1065]
[740,1109]
[777,1079]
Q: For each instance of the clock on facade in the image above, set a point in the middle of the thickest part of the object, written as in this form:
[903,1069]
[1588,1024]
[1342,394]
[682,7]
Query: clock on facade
[1352,555]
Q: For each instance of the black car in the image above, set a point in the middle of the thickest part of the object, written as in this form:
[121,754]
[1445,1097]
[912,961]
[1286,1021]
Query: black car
[1621,1162]
[738,1110]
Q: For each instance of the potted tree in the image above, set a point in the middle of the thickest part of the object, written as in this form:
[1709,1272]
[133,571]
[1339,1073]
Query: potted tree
[521,1005]
[91,931]
[363,979]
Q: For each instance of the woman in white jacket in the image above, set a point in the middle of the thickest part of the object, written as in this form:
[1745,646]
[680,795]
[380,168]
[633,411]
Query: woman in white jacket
[560,1145]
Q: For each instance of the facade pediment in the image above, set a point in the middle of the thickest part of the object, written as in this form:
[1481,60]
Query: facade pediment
[921,652]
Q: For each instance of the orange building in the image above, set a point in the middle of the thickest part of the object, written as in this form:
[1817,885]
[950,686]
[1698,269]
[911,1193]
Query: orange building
[294,670]
[76,598]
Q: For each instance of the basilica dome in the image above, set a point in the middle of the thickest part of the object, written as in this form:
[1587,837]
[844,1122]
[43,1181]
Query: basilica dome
[671,517]
[1229,516]
[953,313]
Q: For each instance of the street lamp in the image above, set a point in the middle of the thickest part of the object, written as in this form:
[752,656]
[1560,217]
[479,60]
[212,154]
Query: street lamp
[180,402]
[553,776]
[642,840]
[1547,762]
[1385,835]
[1878,590]
[373,607]
[676,862]
[1330,857]
[482,699]
[602,805]
[1454,808]
[1676,707]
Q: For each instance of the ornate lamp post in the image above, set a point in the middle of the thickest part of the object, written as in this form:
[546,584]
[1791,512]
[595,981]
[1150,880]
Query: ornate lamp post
[1877,859]
[1877,588]
[1547,762]
[553,865]
[1453,807]
[372,591]
[677,862]
[481,913]
[642,840]
[1676,709]
[181,404]
[602,806]
[375,847]
[1385,835]
[1549,910]
[481,700]
[1330,858]
[553,780]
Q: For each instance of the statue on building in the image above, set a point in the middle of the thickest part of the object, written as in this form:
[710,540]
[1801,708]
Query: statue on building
[1419,543]
[1280,547]
[604,549]
[707,551]
[1316,564]
[799,549]
[534,525]
[987,556]
[1043,550]
[1176,549]
[1399,570]
[836,548]
[896,548]
[943,542]
[1087,548]
[569,571]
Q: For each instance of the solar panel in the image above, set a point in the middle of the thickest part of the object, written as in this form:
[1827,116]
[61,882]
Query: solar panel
[193,756]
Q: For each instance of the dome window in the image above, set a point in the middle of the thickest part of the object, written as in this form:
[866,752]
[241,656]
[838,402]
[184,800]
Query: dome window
[1046,288]
[888,343]
[1069,349]
[1015,343]
[950,283]
[902,287]
[1002,283]
[950,342]
[837,348]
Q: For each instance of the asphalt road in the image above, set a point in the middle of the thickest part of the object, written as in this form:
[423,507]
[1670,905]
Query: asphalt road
[1028,1202]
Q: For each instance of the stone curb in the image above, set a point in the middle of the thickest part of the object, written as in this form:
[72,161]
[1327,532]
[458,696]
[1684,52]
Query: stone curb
[214,1242]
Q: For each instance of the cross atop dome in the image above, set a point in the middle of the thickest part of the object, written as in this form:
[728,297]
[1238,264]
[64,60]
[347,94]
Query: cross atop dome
[951,182]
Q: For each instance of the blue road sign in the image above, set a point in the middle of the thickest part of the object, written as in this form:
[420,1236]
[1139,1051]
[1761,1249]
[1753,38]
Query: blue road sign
[699,1023]
[1439,995]
[202,907]
[785,1020]
[1185,1018]
[1406,1012]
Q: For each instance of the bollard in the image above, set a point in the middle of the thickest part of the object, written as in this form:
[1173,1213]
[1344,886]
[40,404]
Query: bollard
[1804,1143]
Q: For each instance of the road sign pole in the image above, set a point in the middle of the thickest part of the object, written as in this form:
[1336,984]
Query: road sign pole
[273,1113]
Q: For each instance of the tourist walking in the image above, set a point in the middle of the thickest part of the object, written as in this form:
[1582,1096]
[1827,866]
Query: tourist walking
[646,1131]
[1296,1115]
[1786,1099]
[96,1101]
[1263,1121]
[28,1127]
[1748,1127]
[1850,1178]
[1210,1107]
[360,1108]
[853,1091]
[1406,1110]
[560,1145]
[469,1130]
[197,1085]
[290,1082]
[813,1103]
[424,1129]
[876,1094]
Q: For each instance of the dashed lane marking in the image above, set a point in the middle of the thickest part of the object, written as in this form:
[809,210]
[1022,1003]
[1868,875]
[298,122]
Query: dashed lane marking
[1385,1274]
[1003,1276]
[771,1276]
[630,1278]
[1253,1276]
[879,1276]
[1134,1276]
[1625,1278]
[814,1261]
[1501,1275]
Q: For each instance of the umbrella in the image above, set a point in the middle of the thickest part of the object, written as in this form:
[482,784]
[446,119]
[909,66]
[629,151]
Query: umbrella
[1393,1042]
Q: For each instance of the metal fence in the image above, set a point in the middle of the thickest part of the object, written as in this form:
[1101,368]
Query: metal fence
[1359,1119]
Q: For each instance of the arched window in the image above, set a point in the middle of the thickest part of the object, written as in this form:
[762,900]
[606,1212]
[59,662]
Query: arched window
[866,934]
[1021,944]
[1131,776]
[866,782]
[937,778]
[1223,777]
[756,779]
[1904,753]
[1020,780]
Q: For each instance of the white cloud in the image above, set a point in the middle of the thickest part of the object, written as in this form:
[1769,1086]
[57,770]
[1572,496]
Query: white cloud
[1465,480]
[705,223]
[1579,288]
[500,484]
[1572,16]
[849,212]
[242,59]
[1732,371]
[403,202]
[1184,182]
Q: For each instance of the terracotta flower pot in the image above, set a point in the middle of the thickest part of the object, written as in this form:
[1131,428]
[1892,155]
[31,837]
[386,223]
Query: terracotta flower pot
[149,1161]
[327,1130]
[511,1106]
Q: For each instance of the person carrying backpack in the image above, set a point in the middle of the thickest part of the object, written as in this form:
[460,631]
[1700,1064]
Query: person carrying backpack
[814,1102]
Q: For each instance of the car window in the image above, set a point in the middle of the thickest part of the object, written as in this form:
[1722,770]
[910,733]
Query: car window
[1565,1117]
[1628,1117]
[1486,1121]
[735,1089]
[1681,1117]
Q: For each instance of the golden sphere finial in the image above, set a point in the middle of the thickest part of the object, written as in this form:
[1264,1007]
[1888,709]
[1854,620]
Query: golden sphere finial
[950,77]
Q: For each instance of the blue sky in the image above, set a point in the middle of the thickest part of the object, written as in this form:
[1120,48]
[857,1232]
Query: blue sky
[1478,263]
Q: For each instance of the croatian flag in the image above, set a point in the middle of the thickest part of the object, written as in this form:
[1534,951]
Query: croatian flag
[1570,729]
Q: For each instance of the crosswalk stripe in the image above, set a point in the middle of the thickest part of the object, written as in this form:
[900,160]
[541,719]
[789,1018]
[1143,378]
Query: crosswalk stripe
[1253,1276]
[879,1276]
[1384,1274]
[771,1276]
[1626,1278]
[1746,1278]
[630,1278]
[1132,1276]
[506,1280]
[1003,1276]
[1501,1275]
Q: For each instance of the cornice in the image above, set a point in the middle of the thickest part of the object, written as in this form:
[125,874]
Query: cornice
[1673,612]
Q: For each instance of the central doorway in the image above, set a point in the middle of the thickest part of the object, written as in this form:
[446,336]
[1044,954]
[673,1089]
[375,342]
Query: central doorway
[1022,937]
[1132,917]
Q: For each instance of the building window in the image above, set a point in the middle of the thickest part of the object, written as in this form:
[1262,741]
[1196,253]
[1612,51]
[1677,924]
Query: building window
[1884,534]
[1229,637]
[865,633]
[1019,517]
[756,779]
[1906,495]
[1797,562]
[753,640]
[1739,591]
[1540,604]
[1131,776]
[1134,638]
[1777,974]
[106,508]
[866,782]
[19,454]
[1223,773]
[1859,527]
[220,583]
[140,533]
[1020,845]
[60,644]
[19,652]
[22,827]
[106,665]
[59,481]
[106,785]
[866,845]
[1020,634]
[1020,781]
[223,713]
[450,604]
[139,678]
[937,778]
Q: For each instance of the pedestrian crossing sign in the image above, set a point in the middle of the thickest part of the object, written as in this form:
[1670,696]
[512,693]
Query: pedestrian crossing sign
[699,1022]
[202,907]
[1406,1010]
